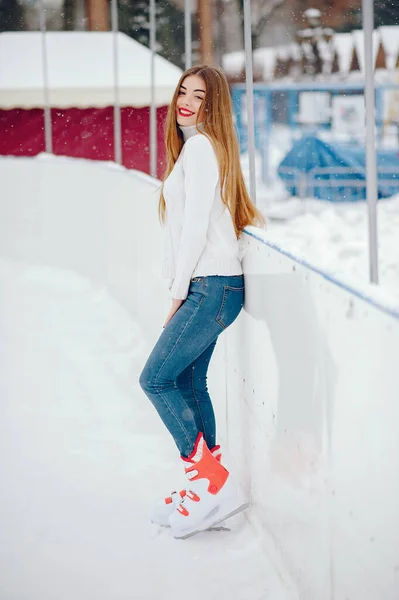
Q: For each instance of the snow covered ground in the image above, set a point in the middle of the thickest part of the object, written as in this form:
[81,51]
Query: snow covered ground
[83,456]
[334,238]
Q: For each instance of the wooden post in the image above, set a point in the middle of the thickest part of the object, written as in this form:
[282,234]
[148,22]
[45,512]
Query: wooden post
[98,15]
[205,31]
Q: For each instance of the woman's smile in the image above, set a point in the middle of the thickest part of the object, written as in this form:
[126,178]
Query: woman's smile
[184,112]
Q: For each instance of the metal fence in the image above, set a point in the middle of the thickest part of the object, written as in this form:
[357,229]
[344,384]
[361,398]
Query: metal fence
[338,184]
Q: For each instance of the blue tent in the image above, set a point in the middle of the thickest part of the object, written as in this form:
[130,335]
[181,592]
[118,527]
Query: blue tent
[336,172]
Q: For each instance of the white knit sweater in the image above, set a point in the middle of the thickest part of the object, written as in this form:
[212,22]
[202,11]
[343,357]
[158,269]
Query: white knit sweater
[200,236]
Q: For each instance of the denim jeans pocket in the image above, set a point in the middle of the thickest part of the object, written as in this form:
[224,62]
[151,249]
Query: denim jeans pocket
[232,303]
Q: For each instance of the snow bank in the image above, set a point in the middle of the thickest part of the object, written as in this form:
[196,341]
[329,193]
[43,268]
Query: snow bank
[335,239]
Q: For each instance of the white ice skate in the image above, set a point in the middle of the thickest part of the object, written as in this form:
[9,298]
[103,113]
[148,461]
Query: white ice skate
[164,507]
[212,496]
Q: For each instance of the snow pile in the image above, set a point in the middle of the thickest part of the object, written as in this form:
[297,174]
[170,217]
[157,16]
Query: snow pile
[264,62]
[233,63]
[334,238]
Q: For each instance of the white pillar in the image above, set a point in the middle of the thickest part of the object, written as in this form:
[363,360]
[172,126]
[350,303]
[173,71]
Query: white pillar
[187,33]
[153,108]
[250,98]
[117,108]
[48,133]
[371,159]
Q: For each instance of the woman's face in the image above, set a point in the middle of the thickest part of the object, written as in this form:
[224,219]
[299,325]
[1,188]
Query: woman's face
[191,95]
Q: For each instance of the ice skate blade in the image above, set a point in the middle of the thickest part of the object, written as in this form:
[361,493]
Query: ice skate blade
[216,528]
[210,526]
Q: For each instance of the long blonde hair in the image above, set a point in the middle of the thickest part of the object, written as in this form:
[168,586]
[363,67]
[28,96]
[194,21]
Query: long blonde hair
[217,117]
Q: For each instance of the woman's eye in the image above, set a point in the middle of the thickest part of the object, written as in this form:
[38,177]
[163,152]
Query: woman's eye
[198,97]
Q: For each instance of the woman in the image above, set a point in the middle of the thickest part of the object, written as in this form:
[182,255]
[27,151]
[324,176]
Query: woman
[204,206]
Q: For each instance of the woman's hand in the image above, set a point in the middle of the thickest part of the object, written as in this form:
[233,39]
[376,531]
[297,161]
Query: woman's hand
[176,304]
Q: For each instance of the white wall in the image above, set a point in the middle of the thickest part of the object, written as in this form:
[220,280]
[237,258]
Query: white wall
[313,424]
[305,383]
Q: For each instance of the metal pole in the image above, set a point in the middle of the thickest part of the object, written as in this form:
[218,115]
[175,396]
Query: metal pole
[371,161]
[250,98]
[204,11]
[153,108]
[117,107]
[48,134]
[187,33]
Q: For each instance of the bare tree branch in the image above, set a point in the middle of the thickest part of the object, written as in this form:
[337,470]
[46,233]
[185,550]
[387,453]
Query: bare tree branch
[266,8]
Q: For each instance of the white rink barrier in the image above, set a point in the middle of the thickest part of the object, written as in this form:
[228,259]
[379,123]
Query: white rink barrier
[312,423]
[92,218]
[305,383]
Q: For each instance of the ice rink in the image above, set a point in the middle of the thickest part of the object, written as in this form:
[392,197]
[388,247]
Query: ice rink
[84,457]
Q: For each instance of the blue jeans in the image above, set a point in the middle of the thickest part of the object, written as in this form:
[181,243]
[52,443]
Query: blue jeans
[174,377]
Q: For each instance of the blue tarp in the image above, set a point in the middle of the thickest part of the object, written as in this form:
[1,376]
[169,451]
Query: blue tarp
[301,167]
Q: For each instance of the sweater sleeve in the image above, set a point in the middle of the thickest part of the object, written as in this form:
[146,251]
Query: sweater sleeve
[167,265]
[201,175]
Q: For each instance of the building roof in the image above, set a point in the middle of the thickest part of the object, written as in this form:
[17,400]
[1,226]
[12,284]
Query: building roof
[358,37]
[390,41]
[80,70]
[345,45]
